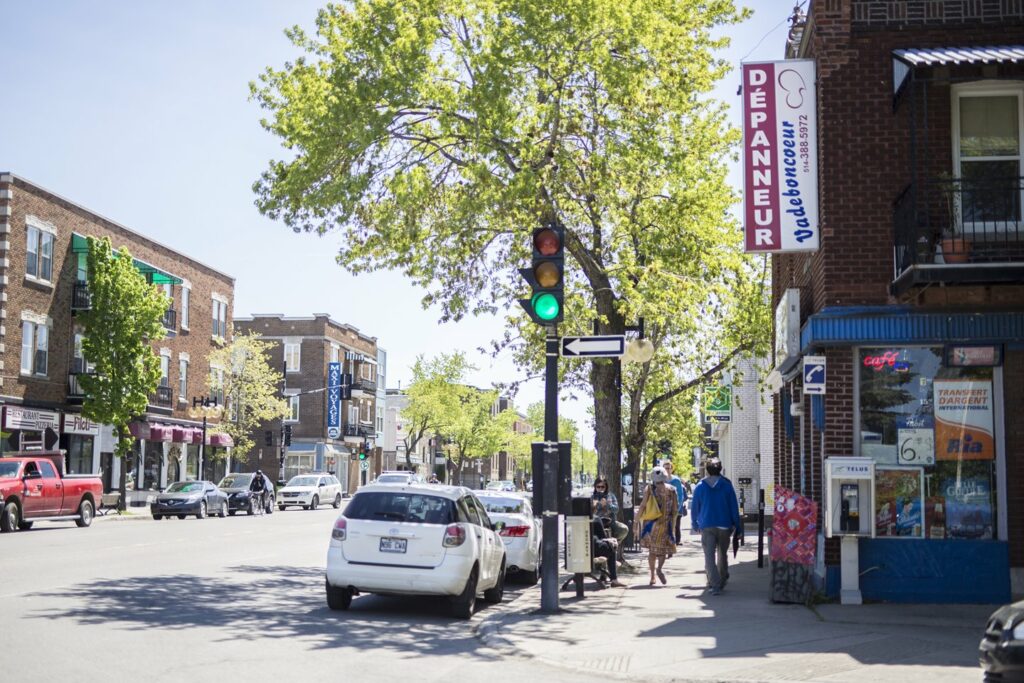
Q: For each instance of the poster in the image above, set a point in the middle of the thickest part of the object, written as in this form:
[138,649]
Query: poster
[899,508]
[963,420]
[968,508]
[915,446]
[794,528]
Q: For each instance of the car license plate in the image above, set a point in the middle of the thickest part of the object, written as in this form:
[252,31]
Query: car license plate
[389,544]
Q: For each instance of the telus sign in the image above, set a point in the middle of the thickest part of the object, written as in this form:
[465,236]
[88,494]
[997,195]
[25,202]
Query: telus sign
[780,156]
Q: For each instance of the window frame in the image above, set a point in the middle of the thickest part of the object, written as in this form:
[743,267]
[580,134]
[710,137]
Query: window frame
[34,251]
[182,379]
[186,293]
[294,408]
[289,348]
[30,330]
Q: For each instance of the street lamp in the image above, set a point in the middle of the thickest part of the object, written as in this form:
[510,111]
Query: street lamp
[203,405]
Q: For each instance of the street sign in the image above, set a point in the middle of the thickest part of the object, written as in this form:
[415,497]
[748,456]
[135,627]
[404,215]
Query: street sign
[718,403]
[814,374]
[603,346]
[333,400]
[364,465]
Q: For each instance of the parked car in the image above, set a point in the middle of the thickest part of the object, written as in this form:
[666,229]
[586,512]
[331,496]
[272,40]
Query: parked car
[183,498]
[35,488]
[521,532]
[236,486]
[1002,648]
[416,540]
[309,491]
[502,485]
[398,478]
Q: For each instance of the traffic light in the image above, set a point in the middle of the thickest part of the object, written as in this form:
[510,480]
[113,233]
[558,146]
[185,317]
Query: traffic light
[364,451]
[268,438]
[287,435]
[546,276]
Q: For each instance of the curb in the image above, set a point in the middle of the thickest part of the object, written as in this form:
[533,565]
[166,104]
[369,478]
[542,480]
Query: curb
[114,517]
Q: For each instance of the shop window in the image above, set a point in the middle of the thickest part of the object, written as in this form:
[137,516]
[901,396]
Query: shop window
[930,430]
[80,454]
[152,465]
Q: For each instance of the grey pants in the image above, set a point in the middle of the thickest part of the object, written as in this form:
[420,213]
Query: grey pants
[715,541]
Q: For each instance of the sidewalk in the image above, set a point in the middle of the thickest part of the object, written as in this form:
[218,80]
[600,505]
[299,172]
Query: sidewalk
[680,632]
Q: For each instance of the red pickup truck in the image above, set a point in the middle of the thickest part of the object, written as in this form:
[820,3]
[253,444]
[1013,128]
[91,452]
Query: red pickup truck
[35,488]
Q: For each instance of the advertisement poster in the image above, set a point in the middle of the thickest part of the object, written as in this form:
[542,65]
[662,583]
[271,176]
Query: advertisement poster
[968,511]
[794,528]
[780,156]
[963,420]
[718,403]
[899,508]
[915,446]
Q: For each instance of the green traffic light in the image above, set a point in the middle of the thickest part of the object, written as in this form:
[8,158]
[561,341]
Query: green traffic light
[546,306]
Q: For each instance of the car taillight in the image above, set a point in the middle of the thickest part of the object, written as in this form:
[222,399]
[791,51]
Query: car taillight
[454,536]
[515,531]
[340,529]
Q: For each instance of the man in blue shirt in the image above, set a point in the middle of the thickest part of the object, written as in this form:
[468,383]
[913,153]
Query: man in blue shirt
[715,514]
[677,484]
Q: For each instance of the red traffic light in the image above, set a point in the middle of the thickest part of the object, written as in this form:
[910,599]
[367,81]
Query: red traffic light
[547,242]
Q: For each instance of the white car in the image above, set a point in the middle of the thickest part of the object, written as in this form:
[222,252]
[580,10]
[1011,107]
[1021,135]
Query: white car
[398,478]
[310,491]
[415,540]
[501,485]
[520,531]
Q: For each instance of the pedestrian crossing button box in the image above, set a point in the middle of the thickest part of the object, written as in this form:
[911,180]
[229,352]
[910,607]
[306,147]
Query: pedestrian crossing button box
[849,497]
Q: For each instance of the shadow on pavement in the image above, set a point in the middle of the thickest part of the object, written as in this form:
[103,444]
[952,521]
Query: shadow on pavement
[270,602]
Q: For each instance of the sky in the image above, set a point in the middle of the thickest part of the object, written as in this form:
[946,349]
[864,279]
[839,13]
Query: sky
[140,112]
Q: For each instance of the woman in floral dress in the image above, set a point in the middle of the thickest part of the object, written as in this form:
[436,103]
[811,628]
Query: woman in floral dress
[657,535]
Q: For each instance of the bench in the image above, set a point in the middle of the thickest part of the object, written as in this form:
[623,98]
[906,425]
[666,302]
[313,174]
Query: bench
[108,502]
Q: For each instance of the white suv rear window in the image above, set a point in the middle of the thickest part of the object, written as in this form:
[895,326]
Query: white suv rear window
[413,508]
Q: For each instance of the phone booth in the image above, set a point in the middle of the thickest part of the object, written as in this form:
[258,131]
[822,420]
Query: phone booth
[849,506]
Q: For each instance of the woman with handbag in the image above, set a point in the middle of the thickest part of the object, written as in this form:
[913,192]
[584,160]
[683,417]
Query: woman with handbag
[656,522]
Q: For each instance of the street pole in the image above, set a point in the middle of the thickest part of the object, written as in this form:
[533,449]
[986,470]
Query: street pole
[549,549]
[203,403]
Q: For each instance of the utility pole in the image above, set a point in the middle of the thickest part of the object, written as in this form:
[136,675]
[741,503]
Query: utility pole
[549,538]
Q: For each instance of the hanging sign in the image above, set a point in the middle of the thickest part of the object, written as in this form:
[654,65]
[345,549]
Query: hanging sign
[780,156]
[333,400]
[718,403]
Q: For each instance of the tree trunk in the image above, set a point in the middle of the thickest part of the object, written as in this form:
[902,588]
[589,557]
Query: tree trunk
[605,379]
[122,502]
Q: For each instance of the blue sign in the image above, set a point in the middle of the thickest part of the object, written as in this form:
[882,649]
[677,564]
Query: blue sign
[333,400]
[814,374]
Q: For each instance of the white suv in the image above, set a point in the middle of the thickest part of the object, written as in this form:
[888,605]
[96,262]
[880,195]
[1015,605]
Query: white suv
[415,540]
[310,491]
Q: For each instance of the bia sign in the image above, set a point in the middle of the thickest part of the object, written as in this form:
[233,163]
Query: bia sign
[780,156]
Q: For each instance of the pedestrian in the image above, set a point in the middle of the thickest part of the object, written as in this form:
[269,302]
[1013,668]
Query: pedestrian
[607,548]
[677,484]
[715,513]
[603,503]
[655,525]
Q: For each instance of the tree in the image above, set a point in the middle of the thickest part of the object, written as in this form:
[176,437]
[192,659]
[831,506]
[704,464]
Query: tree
[473,431]
[124,318]
[436,135]
[431,397]
[250,388]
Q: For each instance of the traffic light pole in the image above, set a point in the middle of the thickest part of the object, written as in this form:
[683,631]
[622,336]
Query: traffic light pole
[549,539]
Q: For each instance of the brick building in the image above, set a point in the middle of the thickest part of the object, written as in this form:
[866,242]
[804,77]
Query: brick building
[916,295]
[305,346]
[43,284]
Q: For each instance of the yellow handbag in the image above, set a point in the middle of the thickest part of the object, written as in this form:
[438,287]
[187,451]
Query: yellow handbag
[652,510]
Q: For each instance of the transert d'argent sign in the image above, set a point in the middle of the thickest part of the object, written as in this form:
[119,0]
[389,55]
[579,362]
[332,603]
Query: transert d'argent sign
[780,156]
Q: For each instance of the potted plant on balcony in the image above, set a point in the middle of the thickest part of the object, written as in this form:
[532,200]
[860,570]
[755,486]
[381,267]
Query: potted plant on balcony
[953,247]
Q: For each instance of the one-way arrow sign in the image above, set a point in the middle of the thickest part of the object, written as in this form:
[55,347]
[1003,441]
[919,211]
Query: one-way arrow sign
[605,346]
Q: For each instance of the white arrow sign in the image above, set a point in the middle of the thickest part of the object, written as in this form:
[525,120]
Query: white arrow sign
[814,374]
[605,346]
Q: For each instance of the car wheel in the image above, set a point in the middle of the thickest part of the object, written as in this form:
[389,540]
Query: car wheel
[25,526]
[315,503]
[464,605]
[202,510]
[232,512]
[531,578]
[493,595]
[181,516]
[9,518]
[85,513]
[337,501]
[223,510]
[338,599]
[158,517]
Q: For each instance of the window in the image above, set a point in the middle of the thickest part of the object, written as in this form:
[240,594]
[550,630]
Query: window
[165,370]
[217,384]
[293,406]
[220,318]
[930,430]
[292,356]
[335,353]
[40,254]
[47,469]
[185,293]
[182,379]
[353,415]
[34,348]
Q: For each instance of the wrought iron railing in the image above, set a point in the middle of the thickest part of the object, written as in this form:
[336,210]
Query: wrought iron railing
[959,220]
[361,384]
[162,397]
[359,430]
[171,319]
[74,386]
[80,299]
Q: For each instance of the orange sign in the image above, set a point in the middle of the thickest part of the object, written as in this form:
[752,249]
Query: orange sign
[963,420]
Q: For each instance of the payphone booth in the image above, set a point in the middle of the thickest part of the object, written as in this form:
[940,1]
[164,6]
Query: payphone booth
[849,515]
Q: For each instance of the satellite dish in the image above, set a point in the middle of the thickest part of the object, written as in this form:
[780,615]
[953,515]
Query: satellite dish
[639,351]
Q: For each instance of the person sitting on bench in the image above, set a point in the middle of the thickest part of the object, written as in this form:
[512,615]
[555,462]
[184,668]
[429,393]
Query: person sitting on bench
[605,547]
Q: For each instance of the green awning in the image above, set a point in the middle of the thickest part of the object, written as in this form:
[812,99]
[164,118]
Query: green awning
[80,245]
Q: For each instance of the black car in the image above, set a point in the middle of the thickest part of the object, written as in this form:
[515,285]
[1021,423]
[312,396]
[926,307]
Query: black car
[1002,649]
[183,498]
[236,486]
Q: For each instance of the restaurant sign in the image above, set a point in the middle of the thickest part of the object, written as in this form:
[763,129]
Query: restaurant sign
[30,419]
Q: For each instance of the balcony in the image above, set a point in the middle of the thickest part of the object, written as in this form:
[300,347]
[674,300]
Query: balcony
[171,319]
[163,397]
[959,231]
[358,433]
[75,392]
[80,299]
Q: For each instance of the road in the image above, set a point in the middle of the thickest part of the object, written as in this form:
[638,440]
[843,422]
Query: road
[220,599]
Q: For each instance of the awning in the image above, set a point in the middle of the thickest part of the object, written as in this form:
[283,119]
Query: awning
[903,61]
[140,430]
[182,435]
[161,433]
[153,275]
[220,440]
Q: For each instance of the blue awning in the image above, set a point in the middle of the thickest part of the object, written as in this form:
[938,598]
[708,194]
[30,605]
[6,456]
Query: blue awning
[885,325]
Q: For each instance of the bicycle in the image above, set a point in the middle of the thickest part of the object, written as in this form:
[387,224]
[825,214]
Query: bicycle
[256,503]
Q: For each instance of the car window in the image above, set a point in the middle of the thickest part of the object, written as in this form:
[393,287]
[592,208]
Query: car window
[501,505]
[302,481]
[474,510]
[30,468]
[184,487]
[48,471]
[467,515]
[401,507]
[484,519]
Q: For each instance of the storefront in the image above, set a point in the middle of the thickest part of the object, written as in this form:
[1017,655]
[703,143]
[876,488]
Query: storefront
[80,442]
[29,429]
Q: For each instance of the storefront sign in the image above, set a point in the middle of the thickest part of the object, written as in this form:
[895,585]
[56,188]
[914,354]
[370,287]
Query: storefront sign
[963,420]
[887,360]
[915,447]
[30,419]
[718,403]
[973,356]
[76,424]
[787,327]
[780,156]
[333,400]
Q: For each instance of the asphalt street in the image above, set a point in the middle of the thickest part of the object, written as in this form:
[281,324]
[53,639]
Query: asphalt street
[240,598]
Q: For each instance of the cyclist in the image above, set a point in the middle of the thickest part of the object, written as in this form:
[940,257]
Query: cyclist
[256,488]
